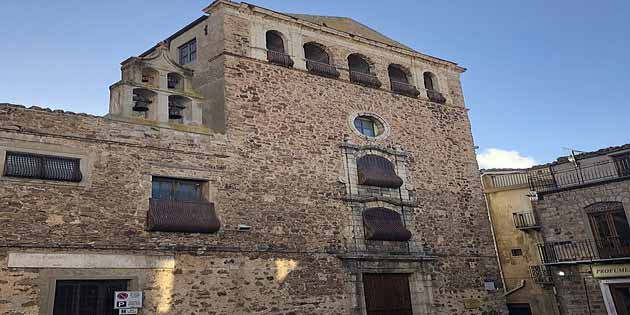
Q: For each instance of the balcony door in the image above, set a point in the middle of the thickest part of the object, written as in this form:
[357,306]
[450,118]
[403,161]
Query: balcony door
[610,230]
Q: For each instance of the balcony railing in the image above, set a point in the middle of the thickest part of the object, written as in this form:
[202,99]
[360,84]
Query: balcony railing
[365,79]
[541,274]
[584,250]
[323,69]
[525,220]
[551,178]
[279,58]
[404,89]
[507,180]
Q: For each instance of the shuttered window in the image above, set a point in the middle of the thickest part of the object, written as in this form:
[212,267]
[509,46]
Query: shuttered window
[38,166]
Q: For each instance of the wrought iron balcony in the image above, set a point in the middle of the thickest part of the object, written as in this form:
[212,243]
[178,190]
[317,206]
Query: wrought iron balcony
[436,96]
[279,58]
[365,79]
[572,175]
[541,274]
[525,220]
[322,69]
[581,251]
[404,89]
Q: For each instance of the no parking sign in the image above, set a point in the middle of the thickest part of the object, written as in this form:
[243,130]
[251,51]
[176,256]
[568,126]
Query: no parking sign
[127,299]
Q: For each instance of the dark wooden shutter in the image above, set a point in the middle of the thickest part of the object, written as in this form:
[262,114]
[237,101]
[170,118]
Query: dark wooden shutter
[387,294]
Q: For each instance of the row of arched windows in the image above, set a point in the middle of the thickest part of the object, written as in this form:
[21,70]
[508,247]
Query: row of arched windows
[318,61]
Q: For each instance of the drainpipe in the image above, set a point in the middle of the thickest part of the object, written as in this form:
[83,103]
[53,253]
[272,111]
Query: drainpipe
[494,238]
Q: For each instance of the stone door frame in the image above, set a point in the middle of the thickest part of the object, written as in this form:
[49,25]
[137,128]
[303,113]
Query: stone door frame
[608,299]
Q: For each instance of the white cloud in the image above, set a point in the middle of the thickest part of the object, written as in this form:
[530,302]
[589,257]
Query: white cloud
[499,158]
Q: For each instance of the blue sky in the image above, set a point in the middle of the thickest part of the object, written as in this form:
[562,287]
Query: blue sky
[542,75]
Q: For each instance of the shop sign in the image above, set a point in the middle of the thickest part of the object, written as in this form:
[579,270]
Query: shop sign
[611,271]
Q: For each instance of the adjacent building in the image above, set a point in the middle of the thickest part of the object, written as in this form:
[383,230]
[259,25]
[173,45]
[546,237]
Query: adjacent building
[254,162]
[528,286]
[583,203]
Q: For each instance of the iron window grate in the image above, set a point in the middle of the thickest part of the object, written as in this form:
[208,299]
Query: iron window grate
[38,166]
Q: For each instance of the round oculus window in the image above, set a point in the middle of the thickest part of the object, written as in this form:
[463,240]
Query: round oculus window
[368,126]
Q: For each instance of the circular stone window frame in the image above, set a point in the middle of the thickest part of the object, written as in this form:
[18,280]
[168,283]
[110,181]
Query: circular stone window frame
[383,122]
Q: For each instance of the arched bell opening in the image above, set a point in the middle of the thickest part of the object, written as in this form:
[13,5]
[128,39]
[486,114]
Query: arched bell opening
[175,81]
[143,101]
[150,77]
[178,106]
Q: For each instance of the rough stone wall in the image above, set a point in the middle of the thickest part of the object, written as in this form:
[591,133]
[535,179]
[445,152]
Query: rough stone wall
[562,213]
[309,116]
[201,284]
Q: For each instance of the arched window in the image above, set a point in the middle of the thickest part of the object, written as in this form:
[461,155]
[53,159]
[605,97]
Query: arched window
[375,170]
[399,79]
[315,52]
[275,42]
[358,63]
[430,84]
[397,74]
[382,224]
[276,52]
[318,60]
[429,81]
[360,71]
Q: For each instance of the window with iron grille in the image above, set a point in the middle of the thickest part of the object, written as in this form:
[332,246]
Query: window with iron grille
[176,189]
[188,52]
[517,252]
[94,297]
[38,166]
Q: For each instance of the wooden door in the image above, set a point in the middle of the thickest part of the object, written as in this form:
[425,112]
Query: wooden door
[387,294]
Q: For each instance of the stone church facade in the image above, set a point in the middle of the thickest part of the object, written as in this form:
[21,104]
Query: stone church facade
[255,162]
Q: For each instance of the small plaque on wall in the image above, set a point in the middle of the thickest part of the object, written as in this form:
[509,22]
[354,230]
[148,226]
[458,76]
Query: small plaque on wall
[471,303]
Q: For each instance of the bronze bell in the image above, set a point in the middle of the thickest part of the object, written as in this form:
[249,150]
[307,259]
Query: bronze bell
[175,110]
[172,83]
[141,103]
